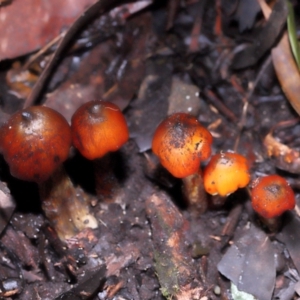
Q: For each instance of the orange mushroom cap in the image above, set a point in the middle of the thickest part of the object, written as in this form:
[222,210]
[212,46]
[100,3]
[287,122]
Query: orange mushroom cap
[271,196]
[181,143]
[34,142]
[98,127]
[225,173]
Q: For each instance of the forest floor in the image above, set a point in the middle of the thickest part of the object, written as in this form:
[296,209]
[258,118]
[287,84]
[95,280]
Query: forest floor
[209,59]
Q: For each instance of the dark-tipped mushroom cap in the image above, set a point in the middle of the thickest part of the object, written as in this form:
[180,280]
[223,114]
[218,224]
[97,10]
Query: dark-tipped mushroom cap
[225,173]
[35,141]
[271,196]
[181,143]
[98,127]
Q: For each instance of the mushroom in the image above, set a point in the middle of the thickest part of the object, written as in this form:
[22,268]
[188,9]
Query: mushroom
[271,196]
[35,142]
[99,128]
[181,143]
[225,173]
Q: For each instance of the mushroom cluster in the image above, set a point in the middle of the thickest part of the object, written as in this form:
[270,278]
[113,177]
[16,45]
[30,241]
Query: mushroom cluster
[36,141]
[182,143]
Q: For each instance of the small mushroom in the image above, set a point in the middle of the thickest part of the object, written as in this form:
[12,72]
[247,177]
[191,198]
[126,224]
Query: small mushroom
[99,128]
[225,173]
[182,143]
[271,196]
[35,142]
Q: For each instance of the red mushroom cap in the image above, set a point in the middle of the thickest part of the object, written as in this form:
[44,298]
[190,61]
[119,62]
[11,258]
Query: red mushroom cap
[181,143]
[272,196]
[35,141]
[98,127]
[225,173]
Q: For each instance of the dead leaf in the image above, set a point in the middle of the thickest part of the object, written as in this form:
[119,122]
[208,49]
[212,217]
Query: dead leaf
[285,66]
[286,158]
[287,72]
[289,235]
[264,39]
[27,25]
[249,263]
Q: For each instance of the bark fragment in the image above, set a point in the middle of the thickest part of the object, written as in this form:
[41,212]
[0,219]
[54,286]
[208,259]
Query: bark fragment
[173,262]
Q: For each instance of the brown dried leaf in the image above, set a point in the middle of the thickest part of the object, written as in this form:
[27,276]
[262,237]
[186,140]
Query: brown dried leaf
[286,158]
[287,71]
[242,263]
[289,235]
[173,263]
[285,65]
[27,25]
[265,38]
[109,72]
[7,206]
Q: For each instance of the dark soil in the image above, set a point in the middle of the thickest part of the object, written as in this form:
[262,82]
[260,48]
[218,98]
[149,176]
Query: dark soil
[150,244]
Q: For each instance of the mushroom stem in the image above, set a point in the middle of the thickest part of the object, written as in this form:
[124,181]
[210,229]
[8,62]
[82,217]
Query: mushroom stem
[181,143]
[217,201]
[65,206]
[272,224]
[194,193]
[106,182]
[98,128]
